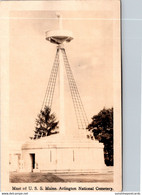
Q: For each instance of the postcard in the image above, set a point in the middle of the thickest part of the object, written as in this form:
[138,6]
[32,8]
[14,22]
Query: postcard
[61,96]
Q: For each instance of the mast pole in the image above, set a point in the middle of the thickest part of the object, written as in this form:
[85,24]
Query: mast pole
[60,21]
[62,95]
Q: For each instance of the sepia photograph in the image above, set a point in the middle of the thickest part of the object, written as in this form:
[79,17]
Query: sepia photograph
[62,78]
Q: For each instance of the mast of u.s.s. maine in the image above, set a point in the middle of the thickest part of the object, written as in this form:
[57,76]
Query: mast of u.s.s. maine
[59,37]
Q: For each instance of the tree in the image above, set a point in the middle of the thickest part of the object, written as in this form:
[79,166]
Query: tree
[102,129]
[46,124]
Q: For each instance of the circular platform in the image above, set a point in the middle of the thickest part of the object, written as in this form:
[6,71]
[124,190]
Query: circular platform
[58,140]
[59,36]
[58,153]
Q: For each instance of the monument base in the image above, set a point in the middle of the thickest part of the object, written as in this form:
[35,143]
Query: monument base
[54,153]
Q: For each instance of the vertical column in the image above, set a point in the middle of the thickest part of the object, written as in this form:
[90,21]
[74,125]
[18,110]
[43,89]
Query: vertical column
[62,103]
[60,20]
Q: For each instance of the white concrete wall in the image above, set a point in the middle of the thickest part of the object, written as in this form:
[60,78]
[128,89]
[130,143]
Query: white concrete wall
[64,159]
[14,162]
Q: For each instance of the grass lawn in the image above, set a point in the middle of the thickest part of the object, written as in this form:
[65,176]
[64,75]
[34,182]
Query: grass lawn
[16,177]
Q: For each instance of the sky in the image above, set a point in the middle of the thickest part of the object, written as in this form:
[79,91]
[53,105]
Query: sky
[90,55]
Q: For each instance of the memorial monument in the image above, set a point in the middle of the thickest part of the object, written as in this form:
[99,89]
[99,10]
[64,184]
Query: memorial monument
[63,152]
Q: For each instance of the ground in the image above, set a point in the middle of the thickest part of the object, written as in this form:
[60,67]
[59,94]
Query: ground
[16,177]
